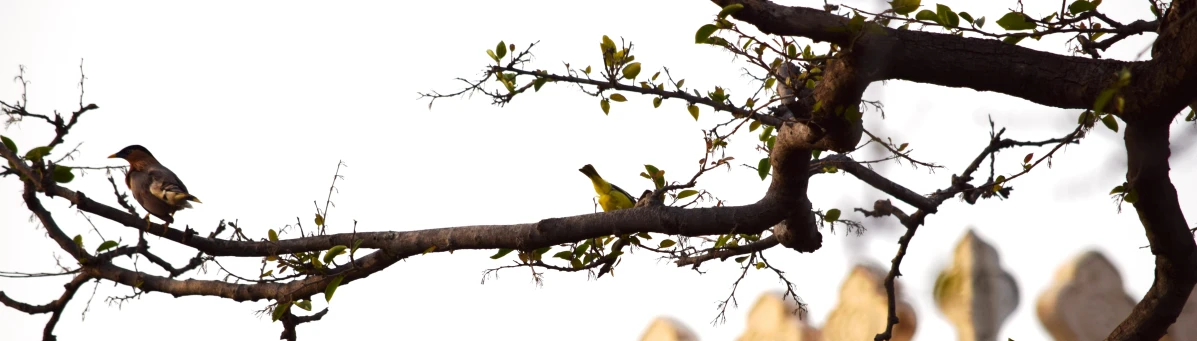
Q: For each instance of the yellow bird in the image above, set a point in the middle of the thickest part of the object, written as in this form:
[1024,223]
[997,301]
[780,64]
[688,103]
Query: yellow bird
[611,197]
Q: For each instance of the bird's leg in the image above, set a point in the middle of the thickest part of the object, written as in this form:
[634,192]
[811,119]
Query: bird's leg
[166,226]
[147,222]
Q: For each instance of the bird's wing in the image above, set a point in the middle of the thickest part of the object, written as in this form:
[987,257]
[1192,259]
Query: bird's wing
[166,186]
[625,193]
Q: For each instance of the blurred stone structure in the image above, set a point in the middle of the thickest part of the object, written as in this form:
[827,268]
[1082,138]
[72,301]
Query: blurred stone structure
[861,312]
[773,317]
[1085,301]
[667,329]
[975,293]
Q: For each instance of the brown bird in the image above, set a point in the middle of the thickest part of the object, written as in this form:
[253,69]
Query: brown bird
[154,186]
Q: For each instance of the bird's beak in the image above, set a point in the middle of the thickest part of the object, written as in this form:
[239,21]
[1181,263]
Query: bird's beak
[113,156]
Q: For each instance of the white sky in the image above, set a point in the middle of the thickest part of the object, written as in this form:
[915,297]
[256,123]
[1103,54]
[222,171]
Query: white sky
[254,104]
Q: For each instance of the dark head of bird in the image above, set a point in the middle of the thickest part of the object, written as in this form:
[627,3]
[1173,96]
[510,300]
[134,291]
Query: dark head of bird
[133,152]
[589,171]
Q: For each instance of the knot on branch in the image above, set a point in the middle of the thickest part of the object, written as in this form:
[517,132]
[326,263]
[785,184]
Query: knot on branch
[799,232]
[825,103]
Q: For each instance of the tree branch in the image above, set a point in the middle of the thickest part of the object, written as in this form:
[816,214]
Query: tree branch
[1159,210]
[1041,77]
[54,307]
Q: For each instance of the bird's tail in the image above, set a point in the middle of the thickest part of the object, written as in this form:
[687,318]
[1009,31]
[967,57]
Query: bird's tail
[181,198]
[590,172]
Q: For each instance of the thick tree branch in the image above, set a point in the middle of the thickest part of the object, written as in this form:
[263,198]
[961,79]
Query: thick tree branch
[991,65]
[1164,223]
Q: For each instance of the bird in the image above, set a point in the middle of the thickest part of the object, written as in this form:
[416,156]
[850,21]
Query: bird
[154,186]
[611,197]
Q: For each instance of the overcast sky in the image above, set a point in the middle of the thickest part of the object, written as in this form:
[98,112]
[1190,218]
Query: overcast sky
[253,104]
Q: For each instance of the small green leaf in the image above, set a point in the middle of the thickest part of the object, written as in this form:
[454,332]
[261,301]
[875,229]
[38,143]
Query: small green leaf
[319,219]
[305,305]
[655,76]
[1027,159]
[279,310]
[1110,122]
[1131,196]
[356,244]
[631,70]
[754,125]
[607,44]
[832,215]
[107,244]
[1118,190]
[62,174]
[36,154]
[904,7]
[492,55]
[769,82]
[429,250]
[1099,105]
[1015,21]
[946,16]
[1192,117]
[693,109]
[1155,10]
[980,22]
[903,146]
[566,255]
[729,10]
[12,146]
[814,153]
[762,168]
[618,98]
[539,82]
[78,240]
[587,70]
[741,259]
[760,265]
[501,49]
[927,15]
[606,105]
[666,243]
[501,253]
[333,253]
[272,235]
[967,17]
[686,193]
[1081,6]
[332,288]
[766,133]
[268,273]
[704,33]
[854,24]
[657,102]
